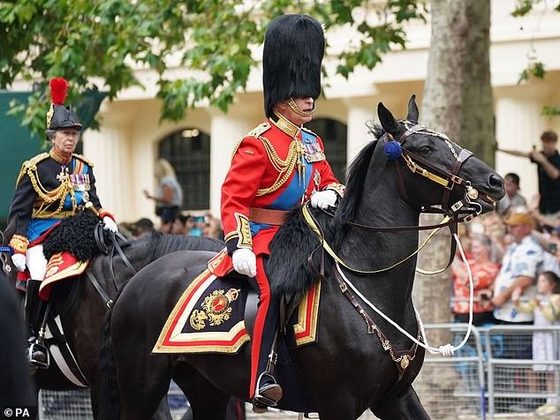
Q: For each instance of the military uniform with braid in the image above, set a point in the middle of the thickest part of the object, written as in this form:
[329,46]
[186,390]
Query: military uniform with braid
[50,187]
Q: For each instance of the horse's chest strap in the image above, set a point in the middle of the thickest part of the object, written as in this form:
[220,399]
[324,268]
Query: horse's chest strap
[401,358]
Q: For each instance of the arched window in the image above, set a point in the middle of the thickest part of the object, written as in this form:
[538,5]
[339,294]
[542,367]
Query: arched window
[333,134]
[188,151]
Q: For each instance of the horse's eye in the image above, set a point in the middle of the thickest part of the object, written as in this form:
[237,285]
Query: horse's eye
[425,150]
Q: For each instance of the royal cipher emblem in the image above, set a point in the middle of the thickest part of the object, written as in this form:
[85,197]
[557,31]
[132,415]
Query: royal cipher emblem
[216,309]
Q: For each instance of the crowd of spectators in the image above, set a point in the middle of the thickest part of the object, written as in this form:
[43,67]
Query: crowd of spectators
[205,224]
[514,260]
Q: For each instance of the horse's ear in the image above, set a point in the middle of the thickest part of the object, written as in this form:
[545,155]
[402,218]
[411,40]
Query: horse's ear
[387,120]
[412,110]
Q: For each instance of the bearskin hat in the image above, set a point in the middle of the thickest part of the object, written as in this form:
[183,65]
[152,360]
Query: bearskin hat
[294,46]
[60,116]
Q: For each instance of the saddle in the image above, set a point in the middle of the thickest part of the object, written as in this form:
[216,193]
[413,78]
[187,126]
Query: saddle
[216,313]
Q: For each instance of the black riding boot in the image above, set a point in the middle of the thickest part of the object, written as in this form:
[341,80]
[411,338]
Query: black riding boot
[268,391]
[35,309]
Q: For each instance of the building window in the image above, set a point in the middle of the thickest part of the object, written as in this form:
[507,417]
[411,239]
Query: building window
[188,151]
[333,133]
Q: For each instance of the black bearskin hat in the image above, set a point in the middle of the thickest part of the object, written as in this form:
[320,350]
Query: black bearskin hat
[294,46]
[60,116]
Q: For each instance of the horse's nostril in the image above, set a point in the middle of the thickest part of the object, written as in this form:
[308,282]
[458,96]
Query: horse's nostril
[496,181]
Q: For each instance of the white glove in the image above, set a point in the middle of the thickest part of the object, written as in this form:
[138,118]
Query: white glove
[19,261]
[244,262]
[109,224]
[324,199]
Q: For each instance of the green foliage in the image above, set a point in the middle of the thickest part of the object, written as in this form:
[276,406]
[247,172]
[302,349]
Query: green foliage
[534,69]
[98,46]
[522,7]
[551,111]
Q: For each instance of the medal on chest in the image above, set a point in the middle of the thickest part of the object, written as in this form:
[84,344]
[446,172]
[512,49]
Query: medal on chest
[63,174]
[313,152]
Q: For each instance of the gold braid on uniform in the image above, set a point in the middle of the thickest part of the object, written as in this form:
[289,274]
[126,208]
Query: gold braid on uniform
[47,198]
[19,244]
[284,167]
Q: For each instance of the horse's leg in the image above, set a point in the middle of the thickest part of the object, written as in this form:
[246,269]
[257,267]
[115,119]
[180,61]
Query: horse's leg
[207,401]
[146,377]
[404,407]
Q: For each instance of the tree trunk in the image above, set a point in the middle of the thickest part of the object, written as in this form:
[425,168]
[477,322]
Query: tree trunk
[457,101]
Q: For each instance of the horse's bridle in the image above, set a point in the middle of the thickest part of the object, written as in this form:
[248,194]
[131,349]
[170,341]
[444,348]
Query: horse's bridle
[461,211]
[464,209]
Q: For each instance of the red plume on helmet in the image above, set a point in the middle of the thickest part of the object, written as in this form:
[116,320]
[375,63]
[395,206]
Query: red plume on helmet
[59,90]
[59,115]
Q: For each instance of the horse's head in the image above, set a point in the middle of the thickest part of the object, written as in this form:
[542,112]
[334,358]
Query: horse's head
[439,170]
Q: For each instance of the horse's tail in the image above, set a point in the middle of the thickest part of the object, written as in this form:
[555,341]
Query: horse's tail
[108,404]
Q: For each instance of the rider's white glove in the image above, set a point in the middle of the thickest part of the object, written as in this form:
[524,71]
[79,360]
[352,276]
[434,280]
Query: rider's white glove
[19,261]
[244,262]
[109,224]
[324,199]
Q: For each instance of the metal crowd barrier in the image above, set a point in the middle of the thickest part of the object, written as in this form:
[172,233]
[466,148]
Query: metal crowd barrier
[486,379]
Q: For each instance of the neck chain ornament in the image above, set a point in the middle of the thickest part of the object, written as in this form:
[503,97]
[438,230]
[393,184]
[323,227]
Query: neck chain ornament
[293,131]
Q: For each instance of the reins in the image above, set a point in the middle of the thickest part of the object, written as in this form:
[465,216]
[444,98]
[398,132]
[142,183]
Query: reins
[5,251]
[110,252]
[312,222]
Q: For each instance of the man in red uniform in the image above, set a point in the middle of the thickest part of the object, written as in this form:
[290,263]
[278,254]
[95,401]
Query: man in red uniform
[276,166]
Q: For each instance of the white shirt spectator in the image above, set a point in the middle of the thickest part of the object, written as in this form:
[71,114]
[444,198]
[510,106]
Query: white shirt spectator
[520,259]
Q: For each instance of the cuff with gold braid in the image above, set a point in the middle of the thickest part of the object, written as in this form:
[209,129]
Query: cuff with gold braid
[19,244]
[338,188]
[241,237]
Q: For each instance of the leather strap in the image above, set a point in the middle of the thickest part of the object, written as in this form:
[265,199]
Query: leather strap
[267,216]
[401,358]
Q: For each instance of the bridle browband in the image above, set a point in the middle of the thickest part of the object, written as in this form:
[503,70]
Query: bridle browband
[464,209]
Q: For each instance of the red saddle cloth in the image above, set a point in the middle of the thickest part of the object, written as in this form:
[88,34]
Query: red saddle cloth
[60,266]
[209,315]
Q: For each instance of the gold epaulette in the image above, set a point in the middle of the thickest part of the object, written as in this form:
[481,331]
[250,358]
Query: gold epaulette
[83,159]
[31,164]
[259,129]
[255,132]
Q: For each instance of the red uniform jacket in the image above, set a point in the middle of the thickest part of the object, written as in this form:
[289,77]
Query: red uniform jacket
[275,166]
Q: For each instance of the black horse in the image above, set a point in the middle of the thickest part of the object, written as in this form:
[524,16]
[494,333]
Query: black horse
[82,304]
[369,246]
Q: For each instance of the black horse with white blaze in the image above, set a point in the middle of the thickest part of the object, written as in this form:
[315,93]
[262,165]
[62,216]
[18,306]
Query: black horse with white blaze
[368,245]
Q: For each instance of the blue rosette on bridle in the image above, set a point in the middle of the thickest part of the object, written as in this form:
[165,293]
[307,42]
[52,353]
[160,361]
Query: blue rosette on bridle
[393,150]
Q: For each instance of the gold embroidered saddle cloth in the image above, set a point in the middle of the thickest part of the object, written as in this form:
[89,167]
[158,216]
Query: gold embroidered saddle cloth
[209,317]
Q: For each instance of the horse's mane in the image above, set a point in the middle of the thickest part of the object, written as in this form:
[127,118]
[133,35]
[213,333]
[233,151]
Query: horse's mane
[287,268]
[357,177]
[161,244]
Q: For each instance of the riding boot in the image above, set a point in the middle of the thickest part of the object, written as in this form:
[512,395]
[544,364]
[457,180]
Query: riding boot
[268,391]
[35,311]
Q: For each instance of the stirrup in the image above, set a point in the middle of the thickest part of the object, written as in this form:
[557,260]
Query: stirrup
[38,356]
[267,395]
